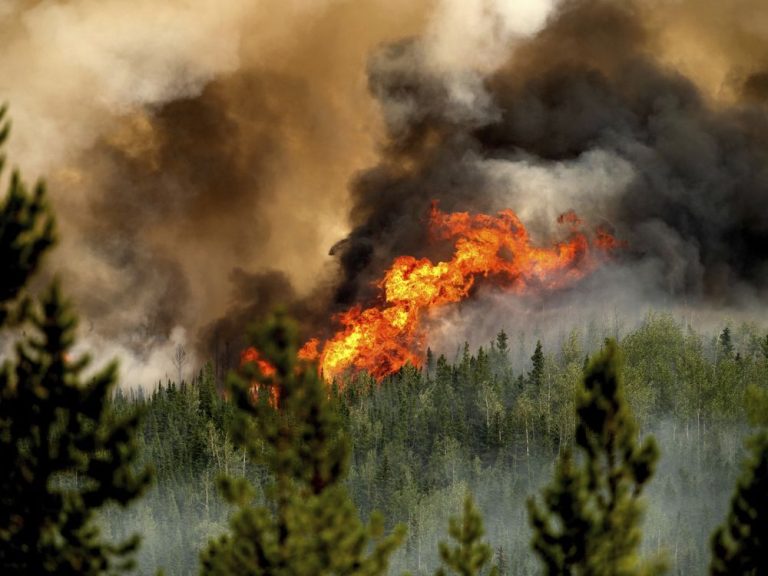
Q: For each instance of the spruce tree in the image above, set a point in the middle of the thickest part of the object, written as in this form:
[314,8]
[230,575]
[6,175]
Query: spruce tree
[726,343]
[536,375]
[502,342]
[739,545]
[26,232]
[309,524]
[587,522]
[470,555]
[63,453]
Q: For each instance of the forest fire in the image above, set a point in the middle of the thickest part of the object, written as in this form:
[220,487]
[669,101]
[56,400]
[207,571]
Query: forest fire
[252,356]
[384,337]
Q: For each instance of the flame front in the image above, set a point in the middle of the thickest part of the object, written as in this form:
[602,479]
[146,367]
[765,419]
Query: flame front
[382,339]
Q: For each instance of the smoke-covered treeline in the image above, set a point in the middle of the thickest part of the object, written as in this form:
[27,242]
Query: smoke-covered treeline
[491,420]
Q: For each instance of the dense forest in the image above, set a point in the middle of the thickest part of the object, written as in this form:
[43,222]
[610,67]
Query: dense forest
[492,421]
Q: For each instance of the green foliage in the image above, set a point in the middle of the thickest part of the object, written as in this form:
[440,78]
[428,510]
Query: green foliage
[739,545]
[726,343]
[26,232]
[311,526]
[63,453]
[588,522]
[763,343]
[536,375]
[470,555]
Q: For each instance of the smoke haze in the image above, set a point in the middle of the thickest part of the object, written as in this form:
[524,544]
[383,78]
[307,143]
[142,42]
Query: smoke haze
[204,157]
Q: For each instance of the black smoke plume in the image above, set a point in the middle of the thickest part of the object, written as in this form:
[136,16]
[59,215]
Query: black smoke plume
[696,204]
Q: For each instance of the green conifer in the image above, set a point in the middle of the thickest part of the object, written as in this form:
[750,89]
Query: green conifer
[470,555]
[739,546]
[587,523]
[26,232]
[309,525]
[63,453]
[536,375]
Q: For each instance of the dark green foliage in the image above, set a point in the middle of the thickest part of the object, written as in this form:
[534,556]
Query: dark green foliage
[311,526]
[536,375]
[764,346]
[726,343]
[470,555]
[26,232]
[501,561]
[588,522]
[502,342]
[739,546]
[63,453]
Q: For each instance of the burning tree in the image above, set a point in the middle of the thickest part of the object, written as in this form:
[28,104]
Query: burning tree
[588,522]
[62,452]
[309,524]
[383,338]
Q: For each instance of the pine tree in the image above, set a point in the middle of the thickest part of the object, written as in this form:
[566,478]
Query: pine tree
[470,555]
[26,232]
[536,375]
[501,561]
[63,453]
[502,342]
[309,526]
[739,546]
[764,346]
[726,342]
[588,521]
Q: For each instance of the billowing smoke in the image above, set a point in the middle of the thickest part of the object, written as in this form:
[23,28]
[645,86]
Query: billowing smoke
[185,141]
[584,115]
[205,156]
[590,114]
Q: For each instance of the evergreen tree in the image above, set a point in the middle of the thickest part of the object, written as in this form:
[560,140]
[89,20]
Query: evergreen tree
[470,555]
[63,453]
[588,522]
[739,546]
[310,525]
[726,343]
[502,342]
[501,562]
[536,375]
[26,232]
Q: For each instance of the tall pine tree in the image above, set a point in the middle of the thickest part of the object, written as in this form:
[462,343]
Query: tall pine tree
[588,522]
[470,556]
[62,452]
[739,545]
[309,524]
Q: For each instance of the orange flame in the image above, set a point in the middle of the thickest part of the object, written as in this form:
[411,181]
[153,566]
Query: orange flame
[383,338]
[252,356]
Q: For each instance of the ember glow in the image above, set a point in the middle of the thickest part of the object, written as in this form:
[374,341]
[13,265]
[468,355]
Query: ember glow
[267,371]
[383,338]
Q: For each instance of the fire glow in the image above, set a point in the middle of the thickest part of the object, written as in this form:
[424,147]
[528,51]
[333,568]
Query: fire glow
[383,338]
